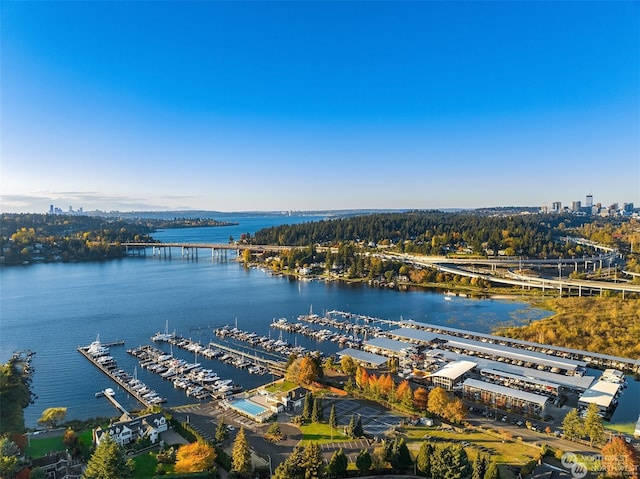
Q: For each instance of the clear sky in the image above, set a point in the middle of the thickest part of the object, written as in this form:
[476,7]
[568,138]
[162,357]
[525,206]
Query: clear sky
[236,106]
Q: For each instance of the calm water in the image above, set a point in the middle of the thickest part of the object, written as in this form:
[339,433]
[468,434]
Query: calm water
[54,308]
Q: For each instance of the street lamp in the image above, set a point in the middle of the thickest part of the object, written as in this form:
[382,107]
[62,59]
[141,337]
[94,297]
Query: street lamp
[270,473]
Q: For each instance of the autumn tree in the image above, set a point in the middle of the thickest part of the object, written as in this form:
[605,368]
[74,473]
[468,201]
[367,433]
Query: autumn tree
[52,416]
[620,459]
[454,410]
[438,400]
[195,457]
[404,395]
[108,462]
[420,399]
[241,455]
[309,371]
[10,453]
[70,437]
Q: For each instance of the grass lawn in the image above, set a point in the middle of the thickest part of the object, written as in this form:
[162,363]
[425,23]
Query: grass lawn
[39,446]
[145,465]
[625,428]
[281,386]
[322,434]
[510,452]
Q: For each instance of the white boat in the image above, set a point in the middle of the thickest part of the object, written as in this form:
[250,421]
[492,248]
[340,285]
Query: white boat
[166,336]
[109,392]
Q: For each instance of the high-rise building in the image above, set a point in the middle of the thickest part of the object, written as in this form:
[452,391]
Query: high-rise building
[556,206]
[50,209]
[589,201]
[575,206]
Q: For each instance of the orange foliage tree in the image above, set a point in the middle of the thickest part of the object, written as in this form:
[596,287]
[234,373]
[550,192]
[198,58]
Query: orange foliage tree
[620,459]
[421,398]
[195,457]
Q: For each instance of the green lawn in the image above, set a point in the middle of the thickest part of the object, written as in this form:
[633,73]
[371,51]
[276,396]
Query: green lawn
[39,446]
[625,428]
[509,452]
[145,465]
[322,433]
[281,386]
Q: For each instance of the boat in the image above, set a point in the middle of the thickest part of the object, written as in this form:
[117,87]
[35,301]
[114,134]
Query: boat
[164,337]
[109,392]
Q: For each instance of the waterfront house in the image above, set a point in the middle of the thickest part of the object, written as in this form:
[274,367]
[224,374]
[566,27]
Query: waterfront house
[130,430]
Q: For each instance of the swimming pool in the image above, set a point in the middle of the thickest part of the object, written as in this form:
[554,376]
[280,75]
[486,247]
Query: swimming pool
[248,407]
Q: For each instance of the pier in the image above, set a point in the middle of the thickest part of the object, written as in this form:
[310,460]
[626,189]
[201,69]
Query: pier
[97,354]
[274,367]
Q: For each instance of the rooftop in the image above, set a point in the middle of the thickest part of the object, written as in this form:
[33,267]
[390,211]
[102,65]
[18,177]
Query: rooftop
[601,393]
[454,369]
[388,344]
[363,356]
[413,334]
[504,391]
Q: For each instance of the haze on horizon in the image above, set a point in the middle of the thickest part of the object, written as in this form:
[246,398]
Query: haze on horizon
[256,106]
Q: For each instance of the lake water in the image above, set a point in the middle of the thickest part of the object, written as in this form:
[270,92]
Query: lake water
[54,308]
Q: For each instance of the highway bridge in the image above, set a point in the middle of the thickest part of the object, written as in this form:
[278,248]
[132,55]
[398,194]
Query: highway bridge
[191,249]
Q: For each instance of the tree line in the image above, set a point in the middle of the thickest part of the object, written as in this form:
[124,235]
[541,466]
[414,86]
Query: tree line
[436,232]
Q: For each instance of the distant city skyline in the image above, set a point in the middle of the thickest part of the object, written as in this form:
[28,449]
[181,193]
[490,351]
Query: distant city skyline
[275,106]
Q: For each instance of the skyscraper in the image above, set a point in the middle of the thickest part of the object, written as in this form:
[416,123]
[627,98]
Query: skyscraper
[589,201]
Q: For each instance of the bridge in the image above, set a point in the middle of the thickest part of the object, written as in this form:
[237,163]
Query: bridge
[190,250]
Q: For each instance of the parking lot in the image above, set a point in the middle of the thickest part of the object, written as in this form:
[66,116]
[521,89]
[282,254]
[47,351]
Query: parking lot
[375,420]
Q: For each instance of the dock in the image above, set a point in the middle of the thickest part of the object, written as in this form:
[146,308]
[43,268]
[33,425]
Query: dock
[274,367]
[121,378]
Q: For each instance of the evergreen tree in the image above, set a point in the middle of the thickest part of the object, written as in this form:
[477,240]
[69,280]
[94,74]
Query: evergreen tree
[480,465]
[593,424]
[241,455]
[400,456]
[312,461]
[363,461]
[492,471]
[572,424]
[338,464]
[308,406]
[108,462]
[333,419]
[222,432]
[292,466]
[450,462]
[351,427]
[358,431]
[317,414]
[423,459]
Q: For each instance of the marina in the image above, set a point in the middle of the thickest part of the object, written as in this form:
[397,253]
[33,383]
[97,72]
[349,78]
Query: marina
[99,355]
[197,382]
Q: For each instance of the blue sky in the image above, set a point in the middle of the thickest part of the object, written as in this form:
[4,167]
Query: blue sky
[236,106]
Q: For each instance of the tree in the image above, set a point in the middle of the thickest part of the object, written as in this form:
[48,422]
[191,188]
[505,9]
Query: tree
[479,466]
[358,431]
[9,457]
[492,471]
[37,473]
[312,461]
[309,371]
[70,437]
[620,459]
[222,431]
[572,424]
[363,461]
[292,467]
[338,464]
[348,365]
[52,416]
[293,370]
[246,256]
[400,457]
[420,399]
[241,455]
[307,409]
[593,426]
[108,462]
[351,427]
[455,410]
[438,400]
[423,460]
[317,414]
[333,419]
[450,462]
[274,433]
[15,395]
[195,457]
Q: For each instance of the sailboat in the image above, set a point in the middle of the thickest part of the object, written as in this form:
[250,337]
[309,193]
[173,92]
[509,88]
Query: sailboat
[166,336]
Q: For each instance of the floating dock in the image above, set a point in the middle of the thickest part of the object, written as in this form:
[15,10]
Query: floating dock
[121,378]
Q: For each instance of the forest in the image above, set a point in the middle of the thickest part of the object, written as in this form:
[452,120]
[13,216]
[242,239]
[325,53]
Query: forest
[603,325]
